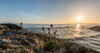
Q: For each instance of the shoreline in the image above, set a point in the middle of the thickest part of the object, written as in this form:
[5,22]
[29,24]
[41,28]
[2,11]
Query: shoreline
[14,38]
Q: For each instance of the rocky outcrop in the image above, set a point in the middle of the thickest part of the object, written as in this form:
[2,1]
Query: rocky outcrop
[14,38]
[7,27]
[13,26]
[3,29]
[72,47]
[95,28]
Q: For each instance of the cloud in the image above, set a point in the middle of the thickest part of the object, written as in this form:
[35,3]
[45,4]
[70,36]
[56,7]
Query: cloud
[29,15]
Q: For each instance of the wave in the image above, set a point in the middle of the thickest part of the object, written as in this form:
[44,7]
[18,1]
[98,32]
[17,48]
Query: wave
[73,32]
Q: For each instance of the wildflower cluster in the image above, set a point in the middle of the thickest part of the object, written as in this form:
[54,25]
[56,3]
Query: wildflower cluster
[49,30]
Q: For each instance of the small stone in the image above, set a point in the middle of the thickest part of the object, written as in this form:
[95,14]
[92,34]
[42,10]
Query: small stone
[1,32]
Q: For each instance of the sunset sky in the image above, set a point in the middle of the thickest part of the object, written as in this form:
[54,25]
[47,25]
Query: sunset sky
[50,11]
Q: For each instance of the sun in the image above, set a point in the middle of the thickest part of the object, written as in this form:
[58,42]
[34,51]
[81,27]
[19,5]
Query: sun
[79,18]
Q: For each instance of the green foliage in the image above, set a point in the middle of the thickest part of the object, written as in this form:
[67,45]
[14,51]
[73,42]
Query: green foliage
[49,45]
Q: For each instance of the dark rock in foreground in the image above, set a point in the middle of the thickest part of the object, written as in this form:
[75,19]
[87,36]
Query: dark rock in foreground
[76,48]
[95,28]
[14,38]
[13,26]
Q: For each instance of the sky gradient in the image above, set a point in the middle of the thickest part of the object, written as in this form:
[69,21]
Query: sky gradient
[49,11]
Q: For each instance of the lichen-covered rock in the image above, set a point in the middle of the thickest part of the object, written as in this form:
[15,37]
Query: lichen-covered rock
[1,32]
[13,26]
[5,41]
[3,29]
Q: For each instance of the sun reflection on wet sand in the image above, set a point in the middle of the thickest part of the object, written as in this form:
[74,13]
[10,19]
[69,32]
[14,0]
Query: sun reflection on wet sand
[77,30]
[76,34]
[78,26]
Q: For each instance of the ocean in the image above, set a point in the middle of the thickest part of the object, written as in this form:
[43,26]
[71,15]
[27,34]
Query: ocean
[78,33]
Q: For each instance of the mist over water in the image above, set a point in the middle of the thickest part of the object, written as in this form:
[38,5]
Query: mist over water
[76,32]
